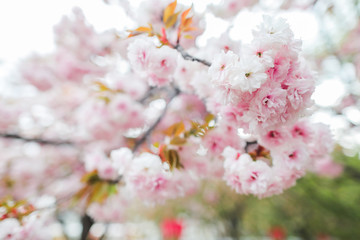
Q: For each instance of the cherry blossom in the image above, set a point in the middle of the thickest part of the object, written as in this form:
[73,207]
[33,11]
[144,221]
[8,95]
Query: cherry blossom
[141,117]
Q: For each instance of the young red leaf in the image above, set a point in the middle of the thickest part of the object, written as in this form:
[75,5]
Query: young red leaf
[163,38]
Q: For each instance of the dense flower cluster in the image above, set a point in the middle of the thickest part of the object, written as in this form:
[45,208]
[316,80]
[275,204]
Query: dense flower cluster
[266,85]
[291,151]
[156,65]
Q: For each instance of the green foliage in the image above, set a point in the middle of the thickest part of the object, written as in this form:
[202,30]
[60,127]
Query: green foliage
[316,206]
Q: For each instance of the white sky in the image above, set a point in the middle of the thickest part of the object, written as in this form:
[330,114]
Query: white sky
[26,25]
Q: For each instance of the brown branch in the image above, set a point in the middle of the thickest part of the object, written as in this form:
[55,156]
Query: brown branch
[148,94]
[187,56]
[156,123]
[248,144]
[37,140]
[87,223]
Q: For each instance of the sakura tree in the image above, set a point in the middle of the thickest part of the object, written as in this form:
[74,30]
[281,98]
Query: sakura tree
[145,116]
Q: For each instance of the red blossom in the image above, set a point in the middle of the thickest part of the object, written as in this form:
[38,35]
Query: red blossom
[277,233]
[171,229]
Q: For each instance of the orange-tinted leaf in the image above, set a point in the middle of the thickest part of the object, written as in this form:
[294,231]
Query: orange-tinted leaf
[178,141]
[173,159]
[195,124]
[133,34]
[169,11]
[209,118]
[12,208]
[102,87]
[171,20]
[100,192]
[187,22]
[188,36]
[184,15]
[140,30]
[19,203]
[179,129]
[81,193]
[89,177]
[189,29]
[143,29]
[170,156]
[93,192]
[175,129]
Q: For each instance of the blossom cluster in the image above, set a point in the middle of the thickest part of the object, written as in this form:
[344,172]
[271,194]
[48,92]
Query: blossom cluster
[285,154]
[135,119]
[144,177]
[267,85]
[155,65]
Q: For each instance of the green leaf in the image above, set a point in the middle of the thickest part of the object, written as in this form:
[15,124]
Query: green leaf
[112,189]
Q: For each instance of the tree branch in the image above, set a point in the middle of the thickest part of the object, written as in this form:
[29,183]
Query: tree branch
[148,94]
[156,123]
[37,140]
[87,222]
[187,56]
[248,144]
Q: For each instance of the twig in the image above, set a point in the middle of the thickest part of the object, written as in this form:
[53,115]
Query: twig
[87,222]
[105,232]
[38,140]
[156,123]
[148,94]
[187,56]
[248,144]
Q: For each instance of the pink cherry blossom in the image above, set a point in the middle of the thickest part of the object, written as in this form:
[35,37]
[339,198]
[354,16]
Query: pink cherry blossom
[157,65]
[327,167]
[222,67]
[139,54]
[274,30]
[151,179]
[249,74]
[150,116]
[275,138]
[246,176]
[294,156]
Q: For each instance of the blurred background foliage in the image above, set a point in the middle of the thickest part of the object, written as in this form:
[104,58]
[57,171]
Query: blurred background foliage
[317,208]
